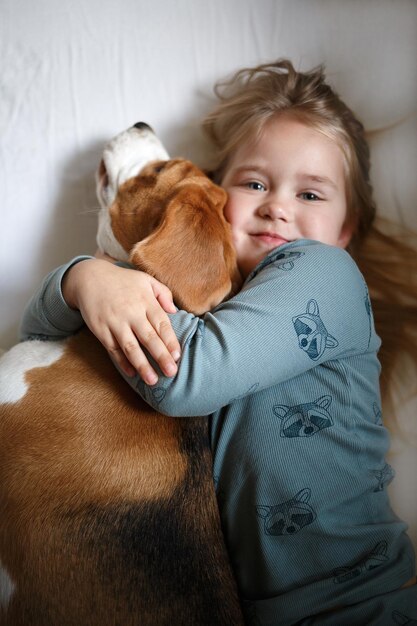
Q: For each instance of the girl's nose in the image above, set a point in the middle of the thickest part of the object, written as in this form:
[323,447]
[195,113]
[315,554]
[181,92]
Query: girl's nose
[274,209]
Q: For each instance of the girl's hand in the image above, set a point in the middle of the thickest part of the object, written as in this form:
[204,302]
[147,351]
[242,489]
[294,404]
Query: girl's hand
[125,308]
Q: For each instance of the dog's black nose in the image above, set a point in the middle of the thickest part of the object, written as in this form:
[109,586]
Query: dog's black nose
[142,126]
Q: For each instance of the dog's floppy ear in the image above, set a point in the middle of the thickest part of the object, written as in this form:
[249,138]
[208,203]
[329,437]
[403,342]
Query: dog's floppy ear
[191,251]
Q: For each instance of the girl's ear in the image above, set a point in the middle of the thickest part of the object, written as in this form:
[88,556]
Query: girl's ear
[345,235]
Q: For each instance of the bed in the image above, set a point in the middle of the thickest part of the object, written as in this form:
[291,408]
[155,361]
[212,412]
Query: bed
[74,74]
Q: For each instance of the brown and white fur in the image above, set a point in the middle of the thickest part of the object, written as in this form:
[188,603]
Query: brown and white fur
[108,514]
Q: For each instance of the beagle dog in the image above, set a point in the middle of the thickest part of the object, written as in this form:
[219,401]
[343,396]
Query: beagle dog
[108,514]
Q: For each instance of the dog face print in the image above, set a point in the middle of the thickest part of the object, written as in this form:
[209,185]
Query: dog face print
[377,414]
[371,561]
[281,260]
[285,260]
[312,334]
[304,420]
[289,517]
[368,308]
[383,477]
[158,393]
[403,620]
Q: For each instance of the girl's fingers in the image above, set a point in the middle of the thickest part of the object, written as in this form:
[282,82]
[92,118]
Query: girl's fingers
[162,325]
[130,339]
[126,352]
[150,339]
[130,358]
[124,343]
[116,354]
[164,296]
[125,310]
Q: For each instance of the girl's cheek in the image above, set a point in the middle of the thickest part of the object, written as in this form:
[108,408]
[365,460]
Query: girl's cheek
[229,212]
[235,239]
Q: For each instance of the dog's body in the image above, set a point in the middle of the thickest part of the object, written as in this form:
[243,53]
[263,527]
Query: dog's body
[108,513]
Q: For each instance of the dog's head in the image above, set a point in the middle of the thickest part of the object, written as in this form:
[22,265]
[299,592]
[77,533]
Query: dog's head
[166,217]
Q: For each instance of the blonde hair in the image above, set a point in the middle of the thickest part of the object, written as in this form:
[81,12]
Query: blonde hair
[386,256]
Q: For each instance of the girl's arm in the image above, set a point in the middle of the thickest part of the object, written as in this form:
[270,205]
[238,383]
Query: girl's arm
[306,305]
[135,301]
[47,315]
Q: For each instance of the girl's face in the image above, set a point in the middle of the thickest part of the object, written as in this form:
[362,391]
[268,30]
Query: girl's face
[289,185]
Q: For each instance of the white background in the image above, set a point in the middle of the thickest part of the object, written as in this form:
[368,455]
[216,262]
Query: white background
[76,72]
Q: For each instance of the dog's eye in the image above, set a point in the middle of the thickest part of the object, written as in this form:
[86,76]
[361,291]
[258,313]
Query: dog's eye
[158,167]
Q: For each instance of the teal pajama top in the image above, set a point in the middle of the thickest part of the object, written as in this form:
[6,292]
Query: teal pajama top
[288,372]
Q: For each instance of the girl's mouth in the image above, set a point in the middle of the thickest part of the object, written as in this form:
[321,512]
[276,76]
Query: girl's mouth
[270,238]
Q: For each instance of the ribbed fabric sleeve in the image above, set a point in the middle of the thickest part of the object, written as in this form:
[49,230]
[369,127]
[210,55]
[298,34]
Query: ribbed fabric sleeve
[47,315]
[305,304]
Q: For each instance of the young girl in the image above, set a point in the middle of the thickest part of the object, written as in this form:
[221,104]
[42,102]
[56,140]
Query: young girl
[287,369]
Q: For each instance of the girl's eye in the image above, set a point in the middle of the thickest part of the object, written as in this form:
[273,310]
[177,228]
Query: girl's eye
[309,195]
[256,186]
